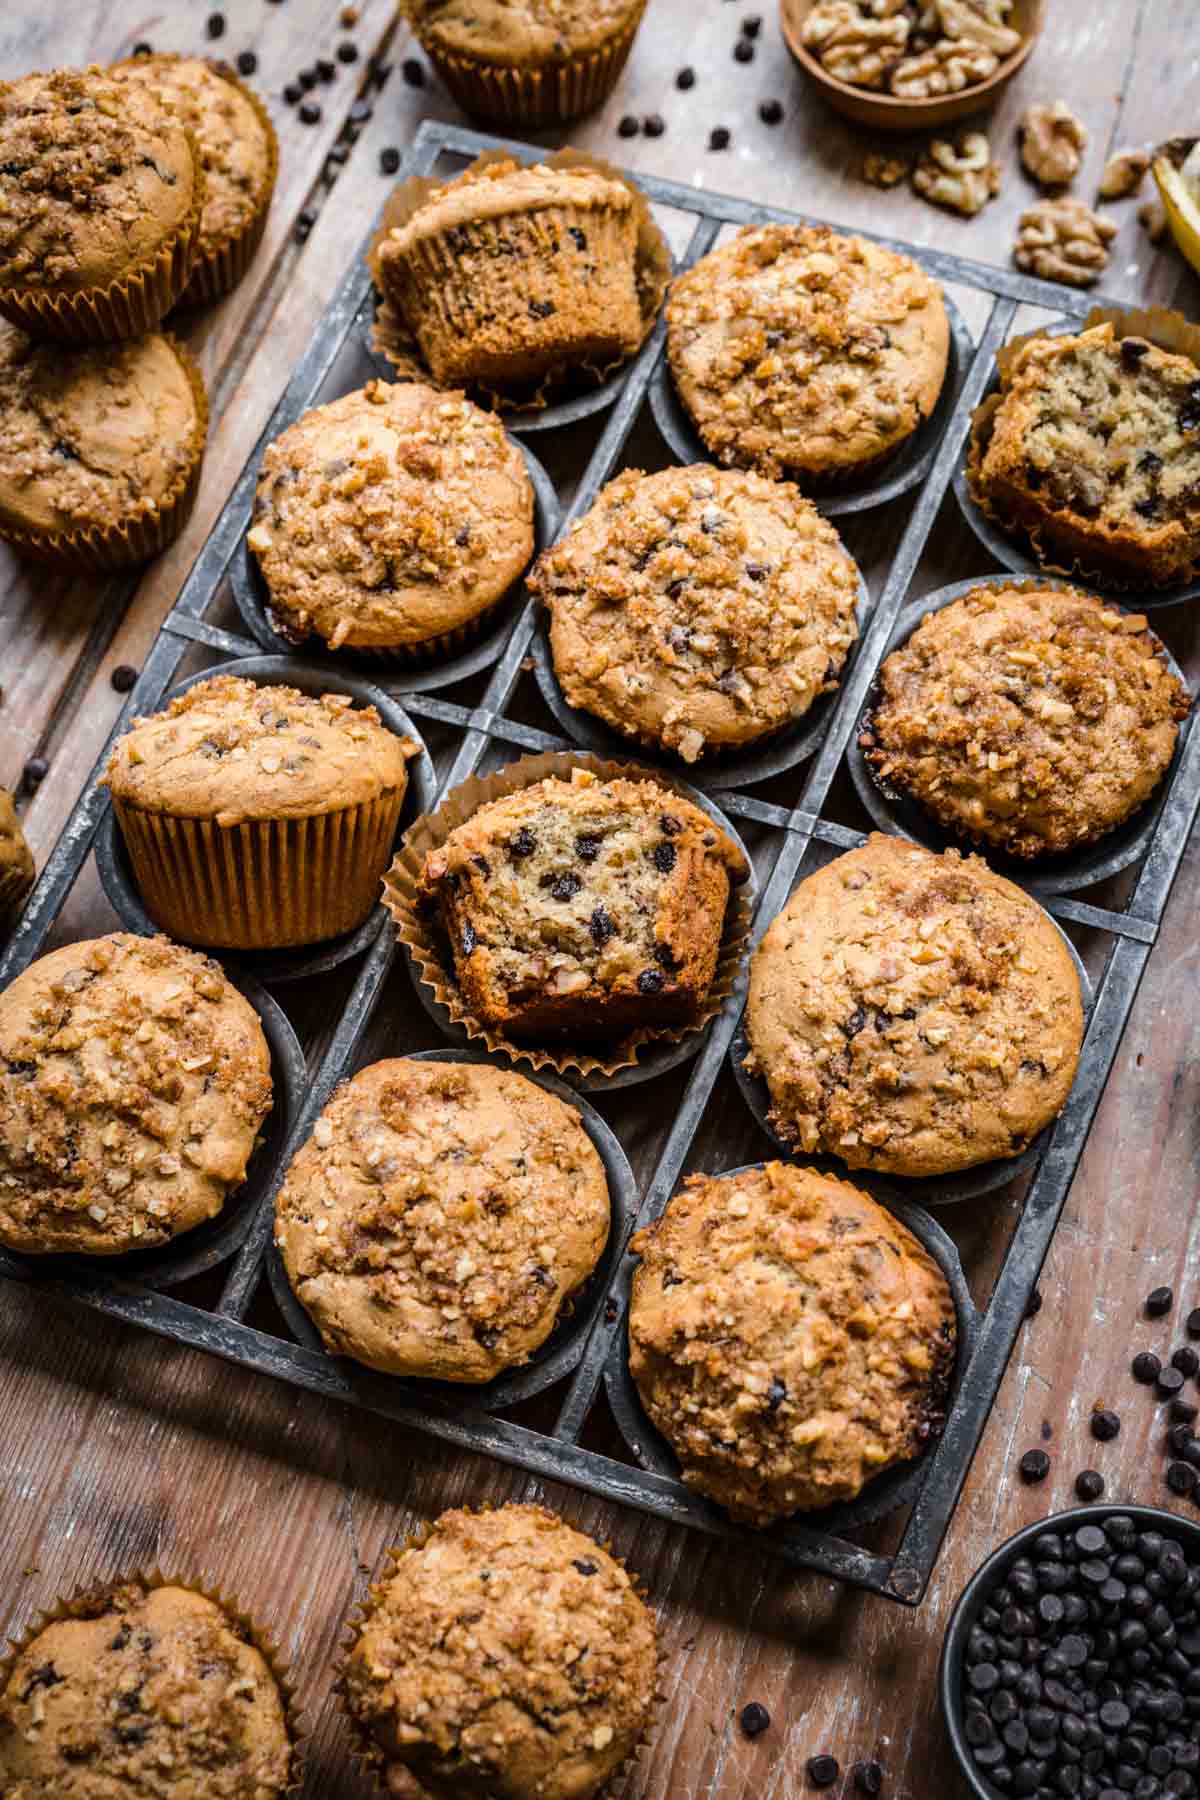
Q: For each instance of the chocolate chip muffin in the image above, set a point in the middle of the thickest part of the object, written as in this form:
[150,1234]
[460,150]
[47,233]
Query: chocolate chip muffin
[391,520]
[1032,719]
[801,352]
[145,1688]
[17,873]
[238,152]
[100,198]
[1092,447]
[133,1081]
[508,276]
[584,908]
[788,1337]
[698,609]
[440,1218]
[100,448]
[258,817]
[913,1014]
[494,1624]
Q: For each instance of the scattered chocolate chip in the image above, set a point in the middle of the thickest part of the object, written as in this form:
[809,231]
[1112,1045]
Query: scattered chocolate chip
[413,72]
[389,160]
[1158,1302]
[310,113]
[1183,1412]
[1180,1478]
[339,155]
[1089,1485]
[247,62]
[718,138]
[123,677]
[325,69]
[651,981]
[653,125]
[611,1312]
[1146,1367]
[1186,1360]
[142,49]
[685,79]
[304,225]
[823,1771]
[1104,1424]
[380,72]
[347,52]
[215,25]
[628,126]
[771,112]
[36,771]
[292,93]
[360,112]
[754,1719]
[307,79]
[1169,1383]
[868,1776]
[1033,1305]
[743,51]
[1035,1465]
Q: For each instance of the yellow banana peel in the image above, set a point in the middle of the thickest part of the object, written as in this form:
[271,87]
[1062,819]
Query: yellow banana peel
[1177,172]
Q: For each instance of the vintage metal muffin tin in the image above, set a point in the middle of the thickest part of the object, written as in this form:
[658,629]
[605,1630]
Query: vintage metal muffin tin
[793,840]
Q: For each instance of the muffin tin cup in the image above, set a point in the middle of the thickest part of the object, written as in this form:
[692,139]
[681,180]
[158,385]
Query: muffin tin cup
[204,1246]
[120,879]
[1182,1531]
[595,1067]
[81,1602]
[1016,550]
[561,1351]
[735,767]
[890,476]
[902,816]
[888,1491]
[436,664]
[105,550]
[927,1190]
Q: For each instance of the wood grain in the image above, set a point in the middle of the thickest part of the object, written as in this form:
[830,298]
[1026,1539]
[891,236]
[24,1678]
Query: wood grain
[120,1451]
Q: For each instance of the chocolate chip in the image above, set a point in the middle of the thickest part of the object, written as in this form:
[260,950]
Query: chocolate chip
[823,1771]
[542,309]
[663,856]
[770,112]
[1169,1383]
[307,79]
[1035,1465]
[360,112]
[1180,1478]
[1186,1360]
[718,138]
[585,1565]
[565,887]
[380,71]
[754,1719]
[123,677]
[653,125]
[469,939]
[36,771]
[413,72]
[325,69]
[651,981]
[310,113]
[743,51]
[611,1312]
[247,62]
[628,126]
[669,825]
[339,155]
[577,237]
[1089,1485]
[292,93]
[1183,1412]
[1033,1305]
[215,25]
[142,49]
[587,846]
[347,52]
[685,79]
[1104,1424]
[1192,1323]
[1189,413]
[389,160]
[868,1776]
[1132,351]
[776,1393]
[1146,1367]
[601,927]
[522,844]
[1149,463]
[304,225]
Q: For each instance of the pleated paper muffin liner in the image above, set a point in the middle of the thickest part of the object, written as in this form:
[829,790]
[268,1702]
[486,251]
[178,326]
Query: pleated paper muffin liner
[420,931]
[364,1749]
[83,1601]
[132,304]
[392,338]
[262,884]
[106,549]
[550,94]
[1169,331]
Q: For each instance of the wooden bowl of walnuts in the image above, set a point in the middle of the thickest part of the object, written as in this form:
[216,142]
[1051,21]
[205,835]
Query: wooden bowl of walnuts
[898,66]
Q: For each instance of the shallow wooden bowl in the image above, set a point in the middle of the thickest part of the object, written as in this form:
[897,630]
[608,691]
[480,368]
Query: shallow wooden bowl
[885,112]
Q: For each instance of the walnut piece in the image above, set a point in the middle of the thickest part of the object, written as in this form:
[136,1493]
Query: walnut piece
[1051,139]
[1063,240]
[961,176]
[979,22]
[855,46]
[1123,174]
[945,68]
[884,171]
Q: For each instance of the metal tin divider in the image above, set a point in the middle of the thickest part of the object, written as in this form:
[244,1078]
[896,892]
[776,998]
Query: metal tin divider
[557,1455]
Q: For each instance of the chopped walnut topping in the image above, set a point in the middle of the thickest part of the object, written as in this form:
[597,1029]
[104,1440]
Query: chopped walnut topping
[1123,174]
[884,171]
[1063,240]
[960,176]
[1051,140]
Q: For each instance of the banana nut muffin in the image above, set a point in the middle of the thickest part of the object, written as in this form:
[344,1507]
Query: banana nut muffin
[17,873]
[145,1690]
[236,144]
[100,447]
[1034,719]
[788,1337]
[913,1014]
[698,609]
[440,1218]
[505,1654]
[1093,448]
[799,351]
[133,1081]
[258,816]
[508,274]
[584,908]
[100,190]
[391,518]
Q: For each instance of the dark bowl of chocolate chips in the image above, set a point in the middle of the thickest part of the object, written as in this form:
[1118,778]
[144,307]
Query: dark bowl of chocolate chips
[1071,1666]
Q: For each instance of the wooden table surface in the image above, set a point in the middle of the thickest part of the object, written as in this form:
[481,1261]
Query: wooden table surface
[121,1451]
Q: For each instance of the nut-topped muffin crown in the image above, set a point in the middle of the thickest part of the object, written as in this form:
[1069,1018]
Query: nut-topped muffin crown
[526,31]
[93,179]
[229,749]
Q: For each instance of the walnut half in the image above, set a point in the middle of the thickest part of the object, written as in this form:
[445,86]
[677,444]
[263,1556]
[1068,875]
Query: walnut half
[1063,240]
[961,176]
[978,22]
[854,46]
[1123,174]
[945,68]
[1051,139]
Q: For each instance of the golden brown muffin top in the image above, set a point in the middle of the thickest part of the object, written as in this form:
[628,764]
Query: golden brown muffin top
[698,608]
[233,142]
[229,749]
[520,32]
[1034,719]
[499,188]
[390,516]
[497,1622]
[912,1013]
[143,1691]
[789,1337]
[797,350]
[94,437]
[133,1081]
[439,1216]
[93,179]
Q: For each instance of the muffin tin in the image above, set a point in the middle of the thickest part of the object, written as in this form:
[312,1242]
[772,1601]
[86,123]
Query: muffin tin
[794,838]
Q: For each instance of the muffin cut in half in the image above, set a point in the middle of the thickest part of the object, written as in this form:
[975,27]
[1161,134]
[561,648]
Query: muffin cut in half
[584,908]
[788,1337]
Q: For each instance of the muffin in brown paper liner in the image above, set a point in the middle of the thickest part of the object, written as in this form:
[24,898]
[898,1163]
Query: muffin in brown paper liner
[366,1752]
[127,307]
[17,871]
[420,933]
[105,550]
[88,1600]
[1169,331]
[220,262]
[392,339]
